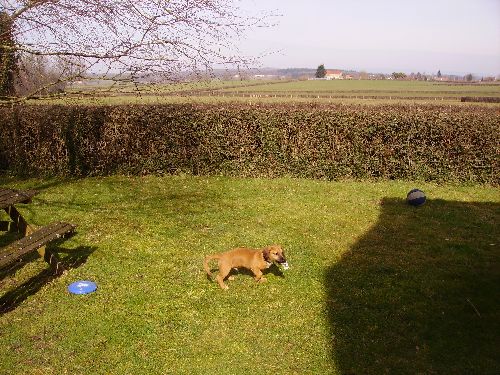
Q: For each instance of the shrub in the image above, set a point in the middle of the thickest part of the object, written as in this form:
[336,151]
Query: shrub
[313,141]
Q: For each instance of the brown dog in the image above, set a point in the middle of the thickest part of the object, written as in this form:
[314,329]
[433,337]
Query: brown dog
[255,260]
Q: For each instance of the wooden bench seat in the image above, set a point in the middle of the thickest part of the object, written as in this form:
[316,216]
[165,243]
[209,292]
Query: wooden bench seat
[34,241]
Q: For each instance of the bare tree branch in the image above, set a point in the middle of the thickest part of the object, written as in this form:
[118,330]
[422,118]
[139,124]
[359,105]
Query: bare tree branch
[133,38]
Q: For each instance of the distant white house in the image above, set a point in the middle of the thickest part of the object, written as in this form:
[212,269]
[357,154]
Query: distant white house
[334,74]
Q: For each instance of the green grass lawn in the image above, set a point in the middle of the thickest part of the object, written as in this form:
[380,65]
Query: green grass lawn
[375,286]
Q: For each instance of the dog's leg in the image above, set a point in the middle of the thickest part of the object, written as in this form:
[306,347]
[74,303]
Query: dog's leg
[231,278]
[220,280]
[223,272]
[258,275]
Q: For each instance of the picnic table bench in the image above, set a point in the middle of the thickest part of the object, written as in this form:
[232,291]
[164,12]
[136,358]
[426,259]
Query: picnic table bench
[34,238]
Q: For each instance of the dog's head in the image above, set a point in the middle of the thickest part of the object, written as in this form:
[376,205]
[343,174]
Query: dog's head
[274,253]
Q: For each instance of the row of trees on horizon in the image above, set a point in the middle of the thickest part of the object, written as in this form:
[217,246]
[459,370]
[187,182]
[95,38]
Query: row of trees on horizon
[321,72]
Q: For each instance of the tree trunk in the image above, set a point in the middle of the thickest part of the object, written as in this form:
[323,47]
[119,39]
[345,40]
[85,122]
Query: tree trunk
[8,57]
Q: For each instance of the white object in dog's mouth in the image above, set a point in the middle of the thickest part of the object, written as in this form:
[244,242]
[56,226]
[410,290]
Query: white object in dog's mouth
[285,265]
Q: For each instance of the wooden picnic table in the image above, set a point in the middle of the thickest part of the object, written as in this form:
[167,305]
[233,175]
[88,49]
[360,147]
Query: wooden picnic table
[8,198]
[34,238]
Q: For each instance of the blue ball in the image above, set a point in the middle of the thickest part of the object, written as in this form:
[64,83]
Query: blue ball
[416,197]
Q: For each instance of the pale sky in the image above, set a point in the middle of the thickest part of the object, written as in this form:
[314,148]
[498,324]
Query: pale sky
[454,36]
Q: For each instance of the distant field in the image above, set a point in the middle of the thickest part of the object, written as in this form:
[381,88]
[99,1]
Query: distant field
[381,85]
[165,88]
[342,91]
[376,88]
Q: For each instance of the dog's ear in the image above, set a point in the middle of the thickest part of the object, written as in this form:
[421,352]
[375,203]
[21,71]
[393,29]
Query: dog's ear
[265,253]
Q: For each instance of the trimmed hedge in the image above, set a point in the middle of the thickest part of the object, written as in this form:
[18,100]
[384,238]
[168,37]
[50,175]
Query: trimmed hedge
[481,99]
[313,141]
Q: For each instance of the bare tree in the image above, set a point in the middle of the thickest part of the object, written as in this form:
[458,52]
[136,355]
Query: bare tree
[128,39]
[42,75]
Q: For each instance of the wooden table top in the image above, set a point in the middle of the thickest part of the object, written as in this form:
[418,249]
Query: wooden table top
[9,197]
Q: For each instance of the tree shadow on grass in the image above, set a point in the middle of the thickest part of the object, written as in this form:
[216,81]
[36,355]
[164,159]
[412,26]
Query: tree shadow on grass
[419,293]
[13,298]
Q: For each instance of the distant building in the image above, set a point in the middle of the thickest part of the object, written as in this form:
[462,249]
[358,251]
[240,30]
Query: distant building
[334,74]
[265,76]
[441,79]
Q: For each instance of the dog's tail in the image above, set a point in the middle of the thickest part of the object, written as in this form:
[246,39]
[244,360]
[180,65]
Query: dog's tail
[208,258]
